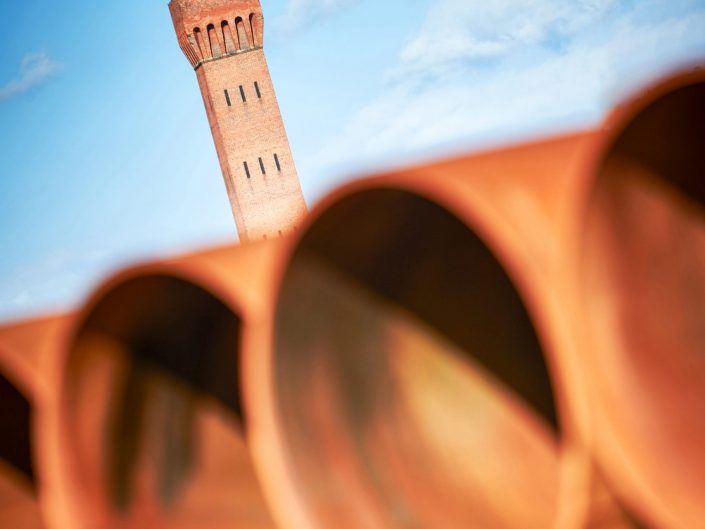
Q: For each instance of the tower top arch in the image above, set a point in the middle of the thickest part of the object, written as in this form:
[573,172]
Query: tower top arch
[193,16]
[222,40]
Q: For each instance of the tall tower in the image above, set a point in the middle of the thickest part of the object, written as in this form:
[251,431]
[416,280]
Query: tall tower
[222,39]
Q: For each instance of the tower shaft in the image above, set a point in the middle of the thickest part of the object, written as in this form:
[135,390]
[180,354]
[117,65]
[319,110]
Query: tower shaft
[222,39]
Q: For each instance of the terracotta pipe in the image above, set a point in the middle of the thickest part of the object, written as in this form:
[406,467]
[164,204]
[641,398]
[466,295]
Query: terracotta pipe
[22,387]
[146,427]
[643,249]
[421,369]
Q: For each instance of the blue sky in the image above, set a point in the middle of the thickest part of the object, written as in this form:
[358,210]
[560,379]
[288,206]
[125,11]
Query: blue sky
[106,155]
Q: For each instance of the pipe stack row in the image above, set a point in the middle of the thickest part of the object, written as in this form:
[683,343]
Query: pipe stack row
[511,339]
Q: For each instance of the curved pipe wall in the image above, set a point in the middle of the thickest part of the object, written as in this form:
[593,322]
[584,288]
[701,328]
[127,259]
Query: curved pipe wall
[643,249]
[146,429]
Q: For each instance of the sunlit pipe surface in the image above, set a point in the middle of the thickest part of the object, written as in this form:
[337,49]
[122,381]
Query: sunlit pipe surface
[146,429]
[22,386]
[420,367]
[644,292]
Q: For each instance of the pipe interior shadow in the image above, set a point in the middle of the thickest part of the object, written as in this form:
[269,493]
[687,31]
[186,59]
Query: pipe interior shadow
[407,368]
[666,139]
[174,326]
[644,256]
[154,410]
[18,486]
[15,441]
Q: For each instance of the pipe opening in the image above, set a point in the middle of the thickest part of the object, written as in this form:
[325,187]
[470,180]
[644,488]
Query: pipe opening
[644,256]
[15,438]
[174,326]
[666,140]
[18,486]
[410,380]
[153,407]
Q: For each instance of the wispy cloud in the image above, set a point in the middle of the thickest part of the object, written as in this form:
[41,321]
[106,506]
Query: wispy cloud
[35,69]
[480,71]
[301,12]
[456,30]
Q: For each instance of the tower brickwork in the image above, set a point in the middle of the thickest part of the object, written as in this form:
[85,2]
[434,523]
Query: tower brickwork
[222,39]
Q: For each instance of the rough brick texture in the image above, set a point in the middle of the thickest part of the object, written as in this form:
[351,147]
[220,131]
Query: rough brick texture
[222,39]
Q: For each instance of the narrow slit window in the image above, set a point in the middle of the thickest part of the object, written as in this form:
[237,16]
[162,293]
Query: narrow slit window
[227,98]
[242,94]
[261,166]
[259,94]
[247,169]
[280,233]
[265,237]
[276,161]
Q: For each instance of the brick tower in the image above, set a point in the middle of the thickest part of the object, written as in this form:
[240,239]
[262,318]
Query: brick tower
[222,39]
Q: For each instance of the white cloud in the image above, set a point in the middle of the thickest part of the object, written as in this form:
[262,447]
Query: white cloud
[300,12]
[464,30]
[535,70]
[35,69]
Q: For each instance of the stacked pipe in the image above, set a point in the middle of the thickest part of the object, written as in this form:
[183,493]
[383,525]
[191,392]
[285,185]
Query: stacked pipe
[147,425]
[510,339]
[24,347]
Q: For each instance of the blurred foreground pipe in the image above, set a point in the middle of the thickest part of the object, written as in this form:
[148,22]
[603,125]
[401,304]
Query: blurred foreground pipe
[22,386]
[421,367]
[146,427]
[643,277]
